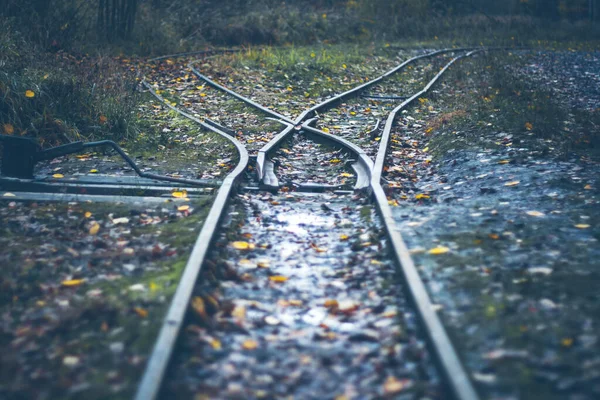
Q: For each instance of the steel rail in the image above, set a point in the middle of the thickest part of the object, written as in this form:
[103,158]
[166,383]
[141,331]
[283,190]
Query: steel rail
[385,137]
[332,101]
[444,351]
[447,358]
[238,96]
[365,164]
[156,367]
[262,163]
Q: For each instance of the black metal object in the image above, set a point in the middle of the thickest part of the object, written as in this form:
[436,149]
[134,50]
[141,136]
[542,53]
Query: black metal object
[20,155]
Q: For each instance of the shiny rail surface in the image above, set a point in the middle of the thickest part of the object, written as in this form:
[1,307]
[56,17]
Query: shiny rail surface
[453,372]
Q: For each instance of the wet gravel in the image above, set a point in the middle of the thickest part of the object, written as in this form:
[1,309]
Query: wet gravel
[573,76]
[84,288]
[304,161]
[310,308]
[506,234]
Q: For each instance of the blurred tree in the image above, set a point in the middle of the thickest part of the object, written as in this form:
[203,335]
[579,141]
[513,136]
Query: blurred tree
[116,18]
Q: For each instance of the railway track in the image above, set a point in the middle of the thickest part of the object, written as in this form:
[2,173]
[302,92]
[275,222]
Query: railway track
[355,249]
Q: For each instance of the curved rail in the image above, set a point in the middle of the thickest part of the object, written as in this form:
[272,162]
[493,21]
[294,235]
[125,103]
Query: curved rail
[163,348]
[444,352]
[266,177]
[450,364]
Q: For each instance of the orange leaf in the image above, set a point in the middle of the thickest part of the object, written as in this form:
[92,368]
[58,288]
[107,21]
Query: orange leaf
[141,312]
[9,129]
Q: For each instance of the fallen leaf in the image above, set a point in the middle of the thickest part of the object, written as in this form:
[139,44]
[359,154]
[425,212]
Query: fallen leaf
[535,214]
[199,307]
[394,386]
[250,344]
[513,183]
[239,312]
[331,303]
[344,237]
[582,226]
[240,245]
[422,196]
[326,130]
[122,220]
[93,171]
[183,208]
[503,161]
[58,176]
[73,282]
[141,312]
[8,129]
[29,94]
[438,250]
[94,228]
[87,214]
[278,278]
[179,194]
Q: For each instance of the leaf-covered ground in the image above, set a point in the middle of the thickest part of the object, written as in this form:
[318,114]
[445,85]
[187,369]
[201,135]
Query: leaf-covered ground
[499,205]
[84,290]
[495,183]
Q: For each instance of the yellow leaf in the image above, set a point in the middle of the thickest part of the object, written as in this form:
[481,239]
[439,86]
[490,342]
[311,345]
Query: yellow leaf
[503,162]
[344,237]
[326,130]
[240,245]
[30,94]
[346,175]
[93,171]
[313,55]
[438,250]
[87,214]
[199,307]
[179,194]
[183,208]
[73,282]
[8,129]
[278,278]
[422,196]
[344,66]
[239,312]
[426,149]
[58,176]
[535,213]
[582,226]
[141,312]
[335,161]
[513,183]
[94,228]
[250,344]
[215,344]
[567,342]
[153,287]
